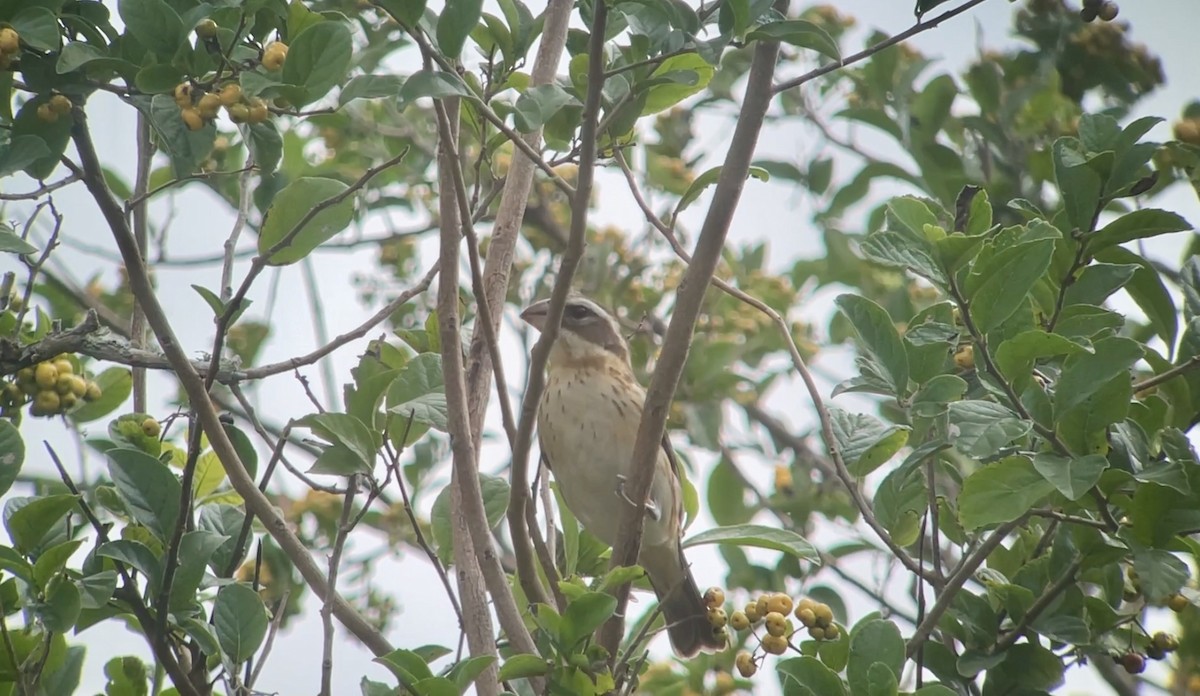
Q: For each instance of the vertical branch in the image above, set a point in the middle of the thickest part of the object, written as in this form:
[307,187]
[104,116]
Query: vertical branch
[683,321]
[335,561]
[141,183]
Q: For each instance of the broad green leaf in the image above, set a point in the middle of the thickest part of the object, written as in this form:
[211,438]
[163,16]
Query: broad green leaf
[881,680]
[150,491]
[495,504]
[538,104]
[116,384]
[1138,224]
[54,136]
[370,87]
[60,608]
[267,147]
[902,251]
[409,666]
[1160,573]
[38,27]
[1073,477]
[1016,356]
[983,428]
[1001,492]
[584,615]
[758,536]
[240,620]
[899,502]
[432,83]
[680,77]
[20,152]
[708,178]
[420,393]
[291,206]
[136,555]
[912,215]
[155,25]
[799,33]
[1084,427]
[186,148]
[874,642]
[726,493]
[813,674]
[524,666]
[455,24]
[12,454]
[195,550]
[464,672]
[348,432]
[30,520]
[1097,282]
[998,286]
[1084,373]
[864,441]
[879,338]
[317,60]
[1148,291]
[1080,184]
[53,560]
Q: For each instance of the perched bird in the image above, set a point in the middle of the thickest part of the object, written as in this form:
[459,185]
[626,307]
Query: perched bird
[587,423]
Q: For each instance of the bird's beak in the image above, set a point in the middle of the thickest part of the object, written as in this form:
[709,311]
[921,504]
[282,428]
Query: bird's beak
[535,314]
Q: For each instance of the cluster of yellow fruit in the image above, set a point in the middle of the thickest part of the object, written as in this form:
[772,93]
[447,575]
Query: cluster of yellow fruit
[52,386]
[197,107]
[55,106]
[1103,9]
[1188,131]
[10,46]
[772,610]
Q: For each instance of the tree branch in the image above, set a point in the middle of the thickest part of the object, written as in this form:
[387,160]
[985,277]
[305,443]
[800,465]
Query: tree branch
[674,352]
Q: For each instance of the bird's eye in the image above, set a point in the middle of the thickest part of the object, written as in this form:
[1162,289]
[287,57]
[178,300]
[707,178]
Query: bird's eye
[578,311]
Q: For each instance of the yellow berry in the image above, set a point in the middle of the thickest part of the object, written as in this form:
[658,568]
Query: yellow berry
[716,617]
[25,375]
[714,597]
[964,357]
[1108,11]
[776,645]
[816,632]
[746,666]
[722,636]
[230,94]
[46,114]
[274,56]
[806,616]
[780,603]
[10,40]
[1165,641]
[183,94]
[824,615]
[64,367]
[208,105]
[46,375]
[258,111]
[151,428]
[776,623]
[783,479]
[761,606]
[60,104]
[92,392]
[78,386]
[1177,603]
[738,621]
[238,113]
[832,632]
[751,612]
[47,402]
[68,401]
[192,119]
[206,29]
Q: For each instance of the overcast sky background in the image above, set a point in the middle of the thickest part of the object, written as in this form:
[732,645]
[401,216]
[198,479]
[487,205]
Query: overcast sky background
[773,212]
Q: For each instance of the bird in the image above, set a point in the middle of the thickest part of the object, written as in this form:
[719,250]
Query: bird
[588,420]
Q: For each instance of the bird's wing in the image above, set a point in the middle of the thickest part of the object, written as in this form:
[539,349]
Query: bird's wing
[677,474]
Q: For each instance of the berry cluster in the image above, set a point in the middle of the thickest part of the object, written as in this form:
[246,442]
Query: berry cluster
[1105,10]
[51,387]
[55,106]
[198,107]
[10,46]
[773,612]
[1160,645]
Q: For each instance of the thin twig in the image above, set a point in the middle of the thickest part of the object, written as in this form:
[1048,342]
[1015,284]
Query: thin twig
[335,562]
[41,190]
[1168,375]
[1039,605]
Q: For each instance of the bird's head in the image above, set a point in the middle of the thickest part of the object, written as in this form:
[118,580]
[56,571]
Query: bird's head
[588,332]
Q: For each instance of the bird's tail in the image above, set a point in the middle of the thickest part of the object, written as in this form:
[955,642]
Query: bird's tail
[682,604]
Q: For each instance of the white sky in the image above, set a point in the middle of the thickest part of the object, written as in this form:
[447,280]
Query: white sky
[201,223]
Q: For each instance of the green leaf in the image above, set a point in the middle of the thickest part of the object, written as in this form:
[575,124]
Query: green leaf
[54,136]
[116,384]
[370,87]
[53,560]
[999,283]
[408,12]
[12,454]
[1073,477]
[240,620]
[1160,573]
[864,441]
[317,59]
[874,642]
[1080,185]
[897,250]
[881,680]
[154,24]
[727,495]
[524,666]
[38,27]
[758,536]
[407,665]
[348,432]
[266,145]
[879,338]
[1138,224]
[1148,291]
[677,78]
[19,153]
[811,673]
[495,504]
[538,104]
[195,550]
[1016,356]
[291,206]
[984,427]
[431,83]
[707,179]
[799,33]
[158,78]
[1083,373]
[148,488]
[1001,492]
[419,392]
[186,148]
[28,524]
[1097,282]
[584,615]
[60,609]
[899,502]
[455,24]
